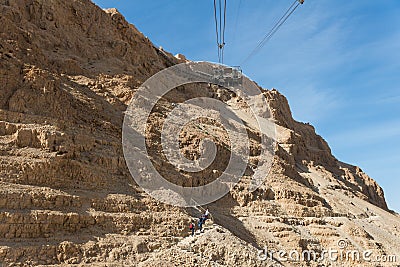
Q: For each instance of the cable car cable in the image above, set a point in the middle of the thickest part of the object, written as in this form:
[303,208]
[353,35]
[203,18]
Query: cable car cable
[216,28]
[274,29]
[220,26]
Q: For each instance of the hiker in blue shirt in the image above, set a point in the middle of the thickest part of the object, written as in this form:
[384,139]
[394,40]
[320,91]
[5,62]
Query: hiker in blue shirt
[200,223]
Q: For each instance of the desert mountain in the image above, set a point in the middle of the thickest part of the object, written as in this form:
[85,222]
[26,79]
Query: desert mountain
[68,71]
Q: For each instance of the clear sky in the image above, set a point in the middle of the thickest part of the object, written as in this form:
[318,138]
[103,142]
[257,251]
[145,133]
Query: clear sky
[337,62]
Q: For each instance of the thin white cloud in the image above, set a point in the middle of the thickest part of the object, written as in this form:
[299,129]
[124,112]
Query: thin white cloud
[367,135]
[321,56]
[313,104]
[394,99]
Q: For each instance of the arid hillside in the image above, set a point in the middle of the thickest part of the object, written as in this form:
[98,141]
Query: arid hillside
[68,71]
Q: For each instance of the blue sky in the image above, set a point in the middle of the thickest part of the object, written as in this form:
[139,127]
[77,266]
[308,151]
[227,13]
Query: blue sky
[337,62]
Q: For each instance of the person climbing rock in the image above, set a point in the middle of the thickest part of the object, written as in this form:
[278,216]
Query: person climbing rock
[191,227]
[200,224]
[206,214]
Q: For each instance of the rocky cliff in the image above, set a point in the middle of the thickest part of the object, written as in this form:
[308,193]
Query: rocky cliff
[68,70]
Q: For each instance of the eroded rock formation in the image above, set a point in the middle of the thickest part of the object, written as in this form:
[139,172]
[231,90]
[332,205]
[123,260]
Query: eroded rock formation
[67,73]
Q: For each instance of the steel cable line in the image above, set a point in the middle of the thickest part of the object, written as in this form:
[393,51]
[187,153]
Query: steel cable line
[223,34]
[274,29]
[220,22]
[216,29]
[220,25]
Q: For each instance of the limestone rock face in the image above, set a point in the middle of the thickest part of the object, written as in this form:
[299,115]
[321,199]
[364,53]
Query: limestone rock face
[68,70]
